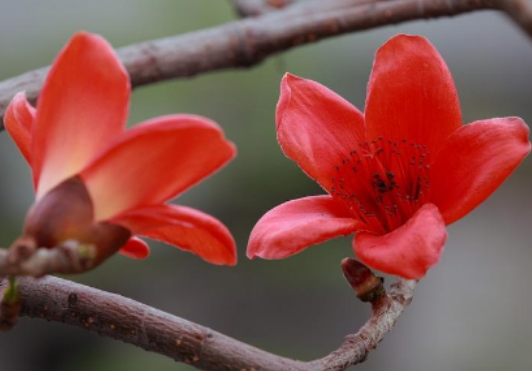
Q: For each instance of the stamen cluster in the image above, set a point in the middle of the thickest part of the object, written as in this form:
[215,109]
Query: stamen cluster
[383,182]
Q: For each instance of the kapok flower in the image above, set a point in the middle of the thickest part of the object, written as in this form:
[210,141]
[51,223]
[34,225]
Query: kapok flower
[99,184]
[396,175]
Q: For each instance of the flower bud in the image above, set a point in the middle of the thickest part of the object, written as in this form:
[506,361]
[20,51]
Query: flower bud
[367,286]
[66,213]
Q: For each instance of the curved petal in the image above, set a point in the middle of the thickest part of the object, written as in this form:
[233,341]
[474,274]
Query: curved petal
[135,248]
[83,105]
[154,162]
[186,228]
[19,119]
[410,250]
[474,162]
[295,225]
[316,127]
[411,94]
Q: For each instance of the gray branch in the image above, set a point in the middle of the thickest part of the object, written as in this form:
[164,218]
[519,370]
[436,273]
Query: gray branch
[247,42]
[114,316]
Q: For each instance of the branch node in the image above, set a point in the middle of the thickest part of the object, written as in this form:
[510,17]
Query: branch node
[21,250]
[25,259]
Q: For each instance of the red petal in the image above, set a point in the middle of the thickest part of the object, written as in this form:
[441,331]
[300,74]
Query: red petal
[154,162]
[135,248]
[185,228]
[295,225]
[474,162]
[316,127]
[411,94]
[83,105]
[19,119]
[410,250]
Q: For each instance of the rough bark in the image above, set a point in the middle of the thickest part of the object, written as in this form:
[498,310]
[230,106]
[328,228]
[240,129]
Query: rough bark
[247,42]
[114,316]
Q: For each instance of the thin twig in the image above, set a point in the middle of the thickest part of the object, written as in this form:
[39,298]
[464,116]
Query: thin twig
[68,258]
[114,316]
[248,42]
[356,348]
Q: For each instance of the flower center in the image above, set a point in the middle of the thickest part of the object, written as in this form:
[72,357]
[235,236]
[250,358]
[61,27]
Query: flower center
[383,182]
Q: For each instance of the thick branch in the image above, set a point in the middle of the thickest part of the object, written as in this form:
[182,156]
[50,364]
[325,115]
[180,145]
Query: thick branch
[123,319]
[248,42]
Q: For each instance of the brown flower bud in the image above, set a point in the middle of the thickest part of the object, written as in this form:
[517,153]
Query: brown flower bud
[367,286]
[66,213]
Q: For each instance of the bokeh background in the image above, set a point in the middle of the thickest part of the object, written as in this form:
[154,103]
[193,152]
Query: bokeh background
[472,312]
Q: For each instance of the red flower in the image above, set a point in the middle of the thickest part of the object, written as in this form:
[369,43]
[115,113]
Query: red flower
[396,175]
[96,182]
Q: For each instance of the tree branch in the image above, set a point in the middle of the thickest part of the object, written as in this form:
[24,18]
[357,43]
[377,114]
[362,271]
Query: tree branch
[356,348]
[248,42]
[114,316]
[25,259]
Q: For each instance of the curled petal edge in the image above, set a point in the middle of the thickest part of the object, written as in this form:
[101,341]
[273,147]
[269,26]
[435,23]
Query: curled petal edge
[410,250]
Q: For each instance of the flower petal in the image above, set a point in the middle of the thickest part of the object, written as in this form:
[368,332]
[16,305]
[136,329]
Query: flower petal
[411,94]
[295,225]
[19,119]
[135,248]
[186,228]
[154,162]
[83,105]
[410,250]
[316,127]
[474,162]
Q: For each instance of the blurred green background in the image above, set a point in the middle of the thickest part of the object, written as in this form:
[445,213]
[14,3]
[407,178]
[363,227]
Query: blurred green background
[472,312]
